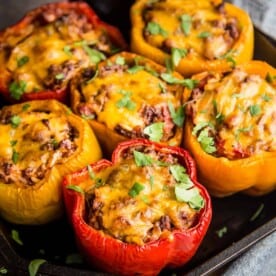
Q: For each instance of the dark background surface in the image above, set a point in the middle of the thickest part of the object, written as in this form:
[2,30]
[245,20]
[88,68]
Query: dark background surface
[55,241]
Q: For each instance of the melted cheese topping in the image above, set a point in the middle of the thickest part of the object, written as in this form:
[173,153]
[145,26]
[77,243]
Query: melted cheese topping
[33,141]
[207,36]
[148,215]
[54,52]
[247,104]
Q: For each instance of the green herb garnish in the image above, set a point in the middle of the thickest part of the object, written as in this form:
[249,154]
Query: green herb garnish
[88,117]
[151,181]
[74,258]
[142,159]
[200,126]
[218,116]
[204,35]
[186,23]
[15,121]
[189,83]
[3,270]
[25,107]
[180,175]
[34,266]
[13,142]
[207,143]
[269,78]
[254,110]
[59,76]
[266,98]
[136,189]
[126,101]
[177,55]
[221,232]
[162,87]
[15,237]
[67,50]
[94,55]
[242,130]
[15,156]
[17,89]
[134,69]
[75,188]
[120,60]
[178,115]
[258,212]
[22,61]
[90,172]
[155,29]
[154,131]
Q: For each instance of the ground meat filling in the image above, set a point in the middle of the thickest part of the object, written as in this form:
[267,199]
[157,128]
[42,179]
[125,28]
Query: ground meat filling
[35,145]
[146,217]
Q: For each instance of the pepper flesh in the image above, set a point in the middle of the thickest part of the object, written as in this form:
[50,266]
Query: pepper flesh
[193,61]
[62,48]
[36,198]
[111,255]
[253,174]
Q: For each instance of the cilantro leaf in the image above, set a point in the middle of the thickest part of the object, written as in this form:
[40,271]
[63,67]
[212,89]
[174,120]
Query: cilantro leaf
[15,237]
[191,196]
[155,29]
[134,69]
[199,126]
[125,101]
[162,87]
[154,131]
[15,156]
[34,266]
[221,232]
[180,175]
[189,83]
[142,159]
[15,121]
[25,107]
[22,61]
[90,172]
[204,35]
[178,116]
[207,143]
[17,89]
[254,110]
[120,60]
[258,212]
[136,189]
[270,78]
[177,55]
[75,188]
[67,50]
[266,98]
[186,23]
[13,142]
[59,76]
[94,55]
[3,270]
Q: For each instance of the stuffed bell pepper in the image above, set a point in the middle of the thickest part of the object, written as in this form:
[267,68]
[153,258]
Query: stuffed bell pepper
[43,51]
[40,142]
[231,129]
[193,36]
[140,213]
[129,96]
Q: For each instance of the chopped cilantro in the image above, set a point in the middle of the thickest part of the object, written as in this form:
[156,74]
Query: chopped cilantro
[229,56]
[15,121]
[74,258]
[142,159]
[136,189]
[120,60]
[177,55]
[169,64]
[15,237]
[151,71]
[22,61]
[94,55]
[189,83]
[154,131]
[207,143]
[90,172]
[145,199]
[3,270]
[75,188]
[191,196]
[59,76]
[186,23]
[200,126]
[221,232]
[155,29]
[134,69]
[162,87]
[25,107]
[242,130]
[269,78]
[266,98]
[126,101]
[93,77]
[67,50]
[34,266]
[258,212]
[13,142]
[180,175]
[218,116]
[151,181]
[17,89]
[88,117]
[254,110]
[178,115]
[15,156]
[204,35]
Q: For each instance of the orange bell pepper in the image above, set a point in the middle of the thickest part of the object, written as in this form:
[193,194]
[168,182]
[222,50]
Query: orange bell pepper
[230,129]
[194,36]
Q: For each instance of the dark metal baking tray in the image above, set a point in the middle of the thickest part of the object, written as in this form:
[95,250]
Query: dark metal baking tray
[238,222]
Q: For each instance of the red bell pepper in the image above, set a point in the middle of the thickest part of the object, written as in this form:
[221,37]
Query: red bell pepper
[13,36]
[112,255]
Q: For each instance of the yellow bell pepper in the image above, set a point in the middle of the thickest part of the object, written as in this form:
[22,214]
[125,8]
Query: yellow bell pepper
[230,129]
[40,142]
[195,36]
